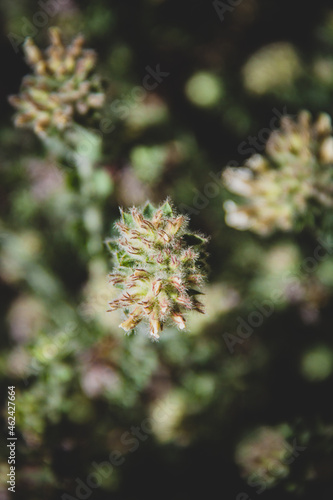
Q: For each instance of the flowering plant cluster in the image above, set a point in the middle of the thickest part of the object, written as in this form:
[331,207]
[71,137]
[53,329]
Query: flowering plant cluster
[159,266]
[289,183]
[61,87]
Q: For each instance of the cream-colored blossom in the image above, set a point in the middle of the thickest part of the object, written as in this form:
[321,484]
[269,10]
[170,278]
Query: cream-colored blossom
[61,87]
[276,188]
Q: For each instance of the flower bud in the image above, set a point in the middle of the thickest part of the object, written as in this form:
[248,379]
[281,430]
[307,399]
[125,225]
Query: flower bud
[160,279]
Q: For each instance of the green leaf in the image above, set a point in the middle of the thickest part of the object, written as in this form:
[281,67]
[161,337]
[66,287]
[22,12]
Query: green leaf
[148,211]
[126,261]
[166,209]
[112,245]
[193,239]
[119,255]
[127,218]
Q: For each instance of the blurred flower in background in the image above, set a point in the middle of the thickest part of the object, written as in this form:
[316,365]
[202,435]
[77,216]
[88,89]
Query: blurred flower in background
[280,186]
[264,457]
[61,87]
[272,69]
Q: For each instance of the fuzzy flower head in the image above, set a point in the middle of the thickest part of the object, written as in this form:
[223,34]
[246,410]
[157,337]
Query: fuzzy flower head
[288,184]
[159,266]
[60,88]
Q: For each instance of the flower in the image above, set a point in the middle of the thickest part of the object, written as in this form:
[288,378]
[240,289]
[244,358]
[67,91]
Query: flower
[160,267]
[60,88]
[277,188]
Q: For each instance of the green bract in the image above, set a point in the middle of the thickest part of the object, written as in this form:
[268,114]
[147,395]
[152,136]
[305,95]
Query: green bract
[160,266]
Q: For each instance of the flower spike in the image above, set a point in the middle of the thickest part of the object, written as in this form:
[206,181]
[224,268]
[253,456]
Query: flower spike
[157,268]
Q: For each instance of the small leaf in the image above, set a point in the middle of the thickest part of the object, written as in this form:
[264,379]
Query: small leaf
[193,239]
[166,209]
[112,245]
[118,255]
[127,218]
[148,211]
[126,261]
